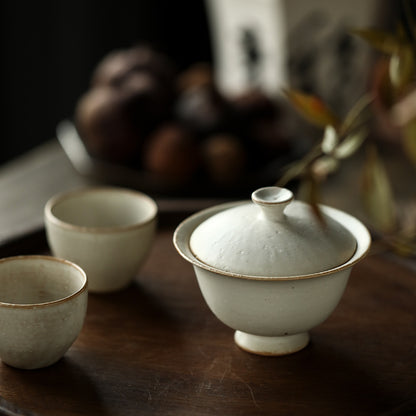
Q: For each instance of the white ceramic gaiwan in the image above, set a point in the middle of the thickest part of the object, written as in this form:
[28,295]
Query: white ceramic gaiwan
[269,269]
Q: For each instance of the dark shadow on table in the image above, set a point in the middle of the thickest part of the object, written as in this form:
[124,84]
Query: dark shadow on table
[51,385]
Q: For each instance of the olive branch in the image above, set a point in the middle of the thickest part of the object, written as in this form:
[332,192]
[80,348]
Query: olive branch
[343,137]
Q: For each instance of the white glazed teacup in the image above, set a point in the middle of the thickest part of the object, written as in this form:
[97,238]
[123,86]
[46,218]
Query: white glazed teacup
[108,231]
[43,302]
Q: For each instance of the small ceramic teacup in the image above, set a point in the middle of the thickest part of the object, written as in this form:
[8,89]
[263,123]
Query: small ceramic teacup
[108,231]
[43,302]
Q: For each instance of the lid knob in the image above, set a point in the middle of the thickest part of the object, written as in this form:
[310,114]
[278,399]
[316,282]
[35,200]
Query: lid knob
[272,200]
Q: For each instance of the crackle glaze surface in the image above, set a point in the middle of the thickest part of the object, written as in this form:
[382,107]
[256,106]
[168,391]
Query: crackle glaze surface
[244,240]
[272,314]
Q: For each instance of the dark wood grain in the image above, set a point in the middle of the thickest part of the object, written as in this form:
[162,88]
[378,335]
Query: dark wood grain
[155,349]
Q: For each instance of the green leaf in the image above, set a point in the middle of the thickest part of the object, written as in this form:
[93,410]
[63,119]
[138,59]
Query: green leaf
[300,167]
[357,115]
[383,41]
[402,67]
[312,108]
[324,166]
[350,144]
[310,193]
[377,193]
[330,140]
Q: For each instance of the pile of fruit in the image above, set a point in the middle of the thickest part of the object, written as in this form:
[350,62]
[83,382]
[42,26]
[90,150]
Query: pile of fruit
[141,112]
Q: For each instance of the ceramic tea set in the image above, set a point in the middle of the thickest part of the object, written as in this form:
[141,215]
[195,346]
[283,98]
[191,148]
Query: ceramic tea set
[102,233]
[106,231]
[269,269]
[266,268]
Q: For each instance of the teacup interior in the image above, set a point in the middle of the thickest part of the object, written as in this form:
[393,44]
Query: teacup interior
[104,208]
[36,280]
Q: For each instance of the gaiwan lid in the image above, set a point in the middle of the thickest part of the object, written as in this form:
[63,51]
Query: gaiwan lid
[272,236]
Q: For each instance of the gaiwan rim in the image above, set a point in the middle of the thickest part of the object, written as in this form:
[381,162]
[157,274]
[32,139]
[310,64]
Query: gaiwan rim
[183,232]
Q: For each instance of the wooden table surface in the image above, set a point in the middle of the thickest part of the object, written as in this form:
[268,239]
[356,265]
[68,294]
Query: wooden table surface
[156,349]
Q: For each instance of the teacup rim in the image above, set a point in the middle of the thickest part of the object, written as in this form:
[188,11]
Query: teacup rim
[83,288]
[55,199]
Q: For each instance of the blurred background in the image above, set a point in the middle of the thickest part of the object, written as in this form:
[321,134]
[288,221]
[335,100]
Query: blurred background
[184,99]
[49,50]
[49,53]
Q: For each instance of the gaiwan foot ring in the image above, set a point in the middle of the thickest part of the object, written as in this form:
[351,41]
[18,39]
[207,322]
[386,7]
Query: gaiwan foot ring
[282,345]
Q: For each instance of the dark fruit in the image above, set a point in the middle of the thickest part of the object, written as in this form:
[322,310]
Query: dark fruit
[172,153]
[101,120]
[224,159]
[118,65]
[199,103]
